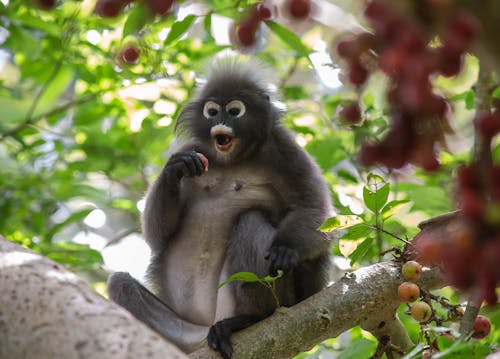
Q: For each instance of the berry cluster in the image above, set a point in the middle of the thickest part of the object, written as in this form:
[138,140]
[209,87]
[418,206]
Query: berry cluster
[403,53]
[112,8]
[422,311]
[410,292]
[469,248]
[244,33]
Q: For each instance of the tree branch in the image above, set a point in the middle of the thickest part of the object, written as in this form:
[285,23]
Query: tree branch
[48,312]
[366,297]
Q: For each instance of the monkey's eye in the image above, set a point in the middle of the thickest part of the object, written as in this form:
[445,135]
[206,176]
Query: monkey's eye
[236,108]
[211,109]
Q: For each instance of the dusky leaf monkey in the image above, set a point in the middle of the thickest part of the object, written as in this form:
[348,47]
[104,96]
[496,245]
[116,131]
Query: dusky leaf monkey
[237,194]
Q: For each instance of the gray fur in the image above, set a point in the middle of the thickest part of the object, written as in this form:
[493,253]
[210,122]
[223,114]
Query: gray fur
[256,209]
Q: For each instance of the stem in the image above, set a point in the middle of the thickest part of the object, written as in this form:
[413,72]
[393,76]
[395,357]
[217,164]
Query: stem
[379,229]
[471,312]
[482,145]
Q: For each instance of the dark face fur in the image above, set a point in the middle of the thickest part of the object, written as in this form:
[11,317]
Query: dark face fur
[231,117]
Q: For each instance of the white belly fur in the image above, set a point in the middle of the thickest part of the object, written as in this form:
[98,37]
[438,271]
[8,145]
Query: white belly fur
[194,261]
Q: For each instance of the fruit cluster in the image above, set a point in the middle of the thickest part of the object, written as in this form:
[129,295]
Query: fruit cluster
[401,49]
[244,33]
[410,292]
[422,311]
[112,8]
[468,251]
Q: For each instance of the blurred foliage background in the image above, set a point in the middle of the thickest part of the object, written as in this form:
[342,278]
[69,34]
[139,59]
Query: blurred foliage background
[83,133]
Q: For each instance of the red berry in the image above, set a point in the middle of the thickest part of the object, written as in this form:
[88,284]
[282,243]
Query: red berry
[450,61]
[488,124]
[482,327]
[393,60]
[351,112]
[264,12]
[462,29]
[421,311]
[408,292]
[46,4]
[298,9]
[130,54]
[357,73]
[160,7]
[412,270]
[245,33]
[109,8]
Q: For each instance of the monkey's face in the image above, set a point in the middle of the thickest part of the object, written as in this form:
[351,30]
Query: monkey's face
[230,127]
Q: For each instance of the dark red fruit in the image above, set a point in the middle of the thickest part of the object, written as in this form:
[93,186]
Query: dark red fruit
[357,73]
[245,33]
[130,54]
[351,112]
[160,7]
[264,12]
[298,9]
[482,327]
[488,124]
[109,8]
[46,4]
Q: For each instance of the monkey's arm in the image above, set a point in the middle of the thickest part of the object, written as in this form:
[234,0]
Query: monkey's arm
[163,208]
[145,306]
[307,197]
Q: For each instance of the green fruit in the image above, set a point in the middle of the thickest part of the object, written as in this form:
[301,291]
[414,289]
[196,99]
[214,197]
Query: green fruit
[412,271]
[421,311]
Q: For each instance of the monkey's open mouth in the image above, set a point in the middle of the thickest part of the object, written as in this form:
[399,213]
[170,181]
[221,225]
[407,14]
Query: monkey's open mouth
[223,137]
[223,142]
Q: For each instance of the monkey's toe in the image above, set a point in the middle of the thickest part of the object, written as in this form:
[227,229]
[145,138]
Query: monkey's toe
[219,338]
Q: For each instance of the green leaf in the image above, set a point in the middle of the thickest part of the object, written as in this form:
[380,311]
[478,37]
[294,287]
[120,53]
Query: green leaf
[247,277]
[178,29]
[289,38]
[360,349]
[392,207]
[330,224]
[136,19]
[375,193]
[56,88]
[75,217]
[271,279]
[415,352]
[207,23]
[361,250]
[496,92]
[357,231]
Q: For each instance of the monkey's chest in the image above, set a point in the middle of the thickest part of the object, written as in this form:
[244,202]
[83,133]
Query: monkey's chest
[195,258]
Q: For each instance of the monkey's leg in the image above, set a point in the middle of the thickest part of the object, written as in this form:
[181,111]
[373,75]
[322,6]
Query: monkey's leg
[250,240]
[148,308]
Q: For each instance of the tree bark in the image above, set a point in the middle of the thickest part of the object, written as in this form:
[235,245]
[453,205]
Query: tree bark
[48,312]
[367,297]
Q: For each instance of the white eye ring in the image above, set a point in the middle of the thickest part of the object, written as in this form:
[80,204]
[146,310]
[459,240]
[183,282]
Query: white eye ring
[211,109]
[236,108]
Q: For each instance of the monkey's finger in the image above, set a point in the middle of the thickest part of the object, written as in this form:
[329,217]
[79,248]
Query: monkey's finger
[198,163]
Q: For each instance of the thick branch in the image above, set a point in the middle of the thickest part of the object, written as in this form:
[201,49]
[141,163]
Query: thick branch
[366,297]
[48,312]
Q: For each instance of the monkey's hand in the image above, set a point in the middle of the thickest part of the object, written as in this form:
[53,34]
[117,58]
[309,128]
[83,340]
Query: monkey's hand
[282,257]
[182,164]
[219,338]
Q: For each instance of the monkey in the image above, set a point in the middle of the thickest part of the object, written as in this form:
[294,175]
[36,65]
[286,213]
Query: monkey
[237,194]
